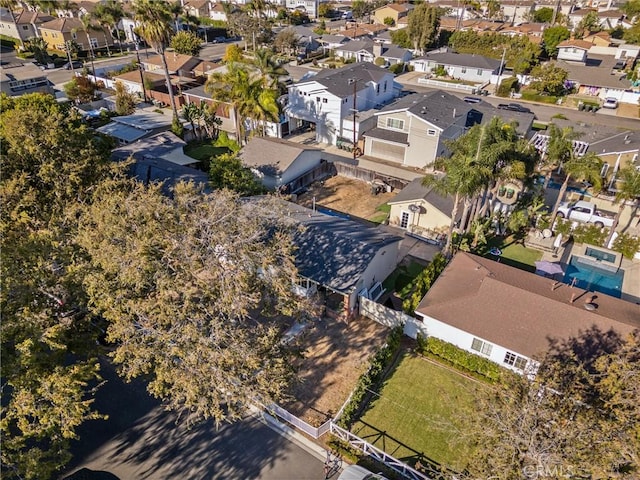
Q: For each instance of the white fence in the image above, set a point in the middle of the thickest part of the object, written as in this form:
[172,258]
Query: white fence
[447,85]
[379,455]
[391,318]
[314,432]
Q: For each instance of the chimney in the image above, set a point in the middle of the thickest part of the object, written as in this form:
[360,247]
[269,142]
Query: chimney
[377,50]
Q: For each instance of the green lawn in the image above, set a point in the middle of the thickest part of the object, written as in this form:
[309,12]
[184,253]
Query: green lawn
[513,253]
[416,414]
[204,151]
[382,212]
[401,278]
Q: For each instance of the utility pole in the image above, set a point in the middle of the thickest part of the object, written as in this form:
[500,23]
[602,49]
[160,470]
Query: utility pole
[135,40]
[354,81]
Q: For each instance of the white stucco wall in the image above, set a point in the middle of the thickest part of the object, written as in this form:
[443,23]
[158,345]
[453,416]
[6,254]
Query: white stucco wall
[463,340]
[572,54]
[382,265]
[429,217]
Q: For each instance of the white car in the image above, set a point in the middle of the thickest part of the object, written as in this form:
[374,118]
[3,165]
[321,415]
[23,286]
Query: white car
[610,102]
[356,472]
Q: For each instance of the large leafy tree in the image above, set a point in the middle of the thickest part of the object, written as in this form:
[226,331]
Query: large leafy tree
[186,43]
[50,163]
[423,25]
[227,171]
[549,79]
[155,20]
[628,189]
[577,418]
[181,281]
[552,36]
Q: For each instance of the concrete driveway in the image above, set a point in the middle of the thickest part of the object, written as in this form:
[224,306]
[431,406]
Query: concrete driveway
[142,441]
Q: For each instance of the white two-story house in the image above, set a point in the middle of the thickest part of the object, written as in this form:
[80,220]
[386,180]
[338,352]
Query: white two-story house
[326,101]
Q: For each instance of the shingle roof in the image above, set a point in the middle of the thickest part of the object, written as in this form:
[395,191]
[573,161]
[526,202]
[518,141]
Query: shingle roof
[416,191]
[175,61]
[338,82]
[334,251]
[388,135]
[400,8]
[64,25]
[516,309]
[626,141]
[272,156]
[26,16]
[463,60]
[328,38]
[596,72]
[575,43]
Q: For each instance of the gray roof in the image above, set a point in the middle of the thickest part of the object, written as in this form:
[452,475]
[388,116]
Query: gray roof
[416,191]
[388,51]
[272,156]
[596,72]
[335,251]
[303,31]
[158,170]
[122,132]
[165,145]
[438,107]
[620,142]
[328,38]
[393,51]
[463,60]
[388,135]
[198,92]
[522,119]
[338,82]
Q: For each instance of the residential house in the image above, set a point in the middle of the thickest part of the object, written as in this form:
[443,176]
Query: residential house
[461,66]
[360,30]
[18,79]
[613,18]
[422,211]
[369,51]
[164,145]
[596,77]
[177,63]
[326,101]
[150,169]
[130,128]
[196,8]
[533,31]
[394,11]
[218,12]
[332,42]
[308,40]
[617,151]
[310,7]
[22,25]
[338,257]
[509,316]
[62,30]
[413,130]
[599,39]
[573,50]
[276,162]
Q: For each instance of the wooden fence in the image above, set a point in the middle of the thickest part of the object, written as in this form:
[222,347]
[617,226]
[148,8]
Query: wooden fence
[353,171]
[325,169]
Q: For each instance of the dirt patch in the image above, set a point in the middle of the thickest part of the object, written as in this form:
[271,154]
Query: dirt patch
[346,195]
[628,110]
[335,355]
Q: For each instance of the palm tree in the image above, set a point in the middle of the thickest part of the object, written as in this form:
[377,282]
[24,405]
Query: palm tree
[586,167]
[109,15]
[559,149]
[155,27]
[175,9]
[268,67]
[628,189]
[248,96]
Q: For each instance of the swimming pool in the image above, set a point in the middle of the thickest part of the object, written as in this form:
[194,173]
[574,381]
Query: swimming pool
[590,277]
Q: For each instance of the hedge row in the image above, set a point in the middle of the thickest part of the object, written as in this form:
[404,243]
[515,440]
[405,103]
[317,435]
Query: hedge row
[536,97]
[370,380]
[459,358]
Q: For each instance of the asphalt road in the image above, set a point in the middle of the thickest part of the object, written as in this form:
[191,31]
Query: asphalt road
[142,441]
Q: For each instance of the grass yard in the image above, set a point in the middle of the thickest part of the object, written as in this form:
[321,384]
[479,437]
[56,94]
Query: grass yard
[382,212]
[204,151]
[513,253]
[415,418]
[401,278]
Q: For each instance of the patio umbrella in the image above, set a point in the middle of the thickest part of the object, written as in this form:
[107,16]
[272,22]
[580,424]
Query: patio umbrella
[550,268]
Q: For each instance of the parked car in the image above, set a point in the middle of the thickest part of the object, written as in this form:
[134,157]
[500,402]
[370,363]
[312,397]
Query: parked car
[219,40]
[587,212]
[472,99]
[610,102]
[74,64]
[356,472]
[514,107]
[347,15]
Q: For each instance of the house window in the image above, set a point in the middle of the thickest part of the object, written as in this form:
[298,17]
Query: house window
[318,99]
[479,72]
[404,220]
[480,346]
[74,35]
[604,170]
[324,100]
[25,27]
[431,132]
[395,123]
[385,86]
[345,100]
[515,361]
[377,89]
[299,93]
[464,70]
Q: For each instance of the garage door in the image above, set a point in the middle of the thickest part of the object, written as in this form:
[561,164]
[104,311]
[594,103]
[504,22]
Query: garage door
[387,151]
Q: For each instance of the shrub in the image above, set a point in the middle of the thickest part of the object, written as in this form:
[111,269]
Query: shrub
[422,283]
[536,97]
[380,61]
[223,140]
[507,86]
[177,128]
[460,359]
[589,233]
[627,245]
[396,68]
[371,379]
[440,71]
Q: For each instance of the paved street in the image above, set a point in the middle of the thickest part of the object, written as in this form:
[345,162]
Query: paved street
[142,441]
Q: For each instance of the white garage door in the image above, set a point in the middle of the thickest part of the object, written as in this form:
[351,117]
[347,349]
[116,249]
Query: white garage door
[387,151]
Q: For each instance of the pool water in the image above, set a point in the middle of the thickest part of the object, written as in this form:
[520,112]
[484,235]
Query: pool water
[600,255]
[592,278]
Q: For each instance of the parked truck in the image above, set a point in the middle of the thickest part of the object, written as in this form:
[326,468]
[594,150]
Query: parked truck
[586,212]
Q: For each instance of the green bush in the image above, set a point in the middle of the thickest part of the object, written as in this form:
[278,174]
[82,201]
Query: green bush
[422,283]
[459,358]
[223,140]
[371,379]
[627,245]
[507,86]
[536,97]
[396,68]
[380,61]
[589,233]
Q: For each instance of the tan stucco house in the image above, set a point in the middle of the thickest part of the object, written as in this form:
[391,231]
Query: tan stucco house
[61,30]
